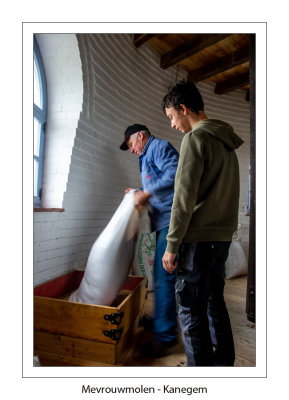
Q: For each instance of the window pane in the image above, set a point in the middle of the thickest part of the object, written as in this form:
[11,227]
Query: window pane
[37,90]
[35,177]
[37,127]
[39,112]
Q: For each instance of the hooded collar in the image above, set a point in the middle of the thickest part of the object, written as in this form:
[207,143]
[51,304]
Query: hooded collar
[221,130]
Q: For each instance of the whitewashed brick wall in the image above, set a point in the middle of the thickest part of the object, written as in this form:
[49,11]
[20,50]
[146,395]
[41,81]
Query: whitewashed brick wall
[122,85]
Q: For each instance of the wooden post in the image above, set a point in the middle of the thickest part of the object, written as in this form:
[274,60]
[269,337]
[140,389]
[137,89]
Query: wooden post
[250,299]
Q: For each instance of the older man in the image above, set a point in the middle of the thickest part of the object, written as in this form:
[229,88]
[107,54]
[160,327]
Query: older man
[158,161]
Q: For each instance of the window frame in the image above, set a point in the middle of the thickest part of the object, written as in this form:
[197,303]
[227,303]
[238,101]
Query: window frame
[41,115]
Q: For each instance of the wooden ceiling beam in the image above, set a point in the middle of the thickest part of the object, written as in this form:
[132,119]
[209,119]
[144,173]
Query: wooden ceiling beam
[220,65]
[232,84]
[139,39]
[190,48]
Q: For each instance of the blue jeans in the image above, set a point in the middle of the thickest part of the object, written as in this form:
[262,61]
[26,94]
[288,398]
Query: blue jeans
[165,315]
[203,316]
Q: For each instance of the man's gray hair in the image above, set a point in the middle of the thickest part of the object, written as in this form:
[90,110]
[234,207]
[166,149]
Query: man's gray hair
[146,134]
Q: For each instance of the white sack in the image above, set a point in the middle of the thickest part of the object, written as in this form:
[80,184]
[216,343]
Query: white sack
[237,263]
[110,257]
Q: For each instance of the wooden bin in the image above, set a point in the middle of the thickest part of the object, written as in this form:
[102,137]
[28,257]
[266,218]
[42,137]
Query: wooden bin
[78,334]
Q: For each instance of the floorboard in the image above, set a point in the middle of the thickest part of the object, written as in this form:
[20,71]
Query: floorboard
[243,331]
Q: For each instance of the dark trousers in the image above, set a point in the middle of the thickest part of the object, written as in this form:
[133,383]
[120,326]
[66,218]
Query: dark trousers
[202,312]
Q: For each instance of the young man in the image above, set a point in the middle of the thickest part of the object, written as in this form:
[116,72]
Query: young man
[158,162]
[203,219]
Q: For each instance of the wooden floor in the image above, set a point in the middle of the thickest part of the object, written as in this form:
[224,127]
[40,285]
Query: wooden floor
[243,331]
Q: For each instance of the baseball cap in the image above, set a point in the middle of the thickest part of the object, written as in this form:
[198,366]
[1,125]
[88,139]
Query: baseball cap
[130,130]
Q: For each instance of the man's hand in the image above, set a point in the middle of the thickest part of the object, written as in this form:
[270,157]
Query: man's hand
[128,190]
[169,262]
[141,197]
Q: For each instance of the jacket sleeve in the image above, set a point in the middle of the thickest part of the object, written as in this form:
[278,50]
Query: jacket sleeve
[165,158]
[188,176]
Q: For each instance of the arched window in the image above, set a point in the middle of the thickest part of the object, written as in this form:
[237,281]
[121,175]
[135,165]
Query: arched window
[39,113]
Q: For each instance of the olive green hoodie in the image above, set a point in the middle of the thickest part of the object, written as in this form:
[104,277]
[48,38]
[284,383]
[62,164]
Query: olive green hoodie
[206,200]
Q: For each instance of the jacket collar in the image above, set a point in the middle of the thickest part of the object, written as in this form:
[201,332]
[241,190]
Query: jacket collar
[147,145]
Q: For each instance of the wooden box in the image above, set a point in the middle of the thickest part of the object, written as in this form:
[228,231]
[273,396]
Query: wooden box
[78,334]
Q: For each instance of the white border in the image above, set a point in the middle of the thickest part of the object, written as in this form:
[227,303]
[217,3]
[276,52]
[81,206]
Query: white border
[149,372]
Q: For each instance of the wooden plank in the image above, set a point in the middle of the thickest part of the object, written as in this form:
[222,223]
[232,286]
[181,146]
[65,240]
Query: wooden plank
[243,346]
[57,287]
[232,84]
[60,285]
[243,362]
[139,39]
[244,333]
[55,360]
[132,282]
[79,351]
[72,319]
[126,346]
[61,349]
[220,65]
[190,48]
[133,305]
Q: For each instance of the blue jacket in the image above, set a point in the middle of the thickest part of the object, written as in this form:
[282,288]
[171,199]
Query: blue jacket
[158,164]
